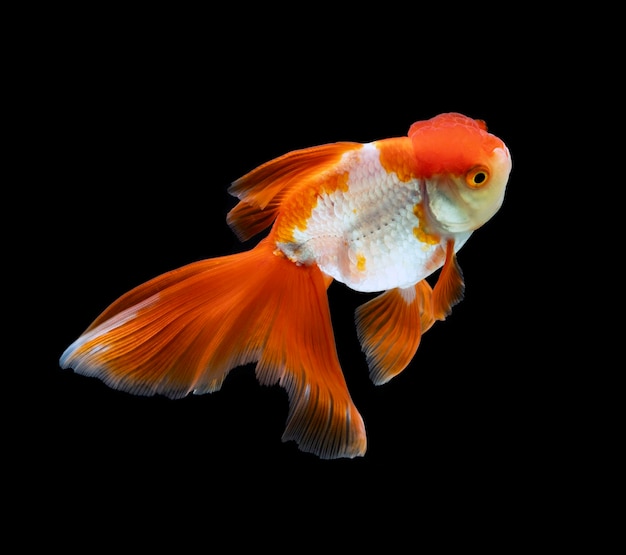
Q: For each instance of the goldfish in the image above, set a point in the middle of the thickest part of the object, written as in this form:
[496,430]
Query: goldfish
[379,217]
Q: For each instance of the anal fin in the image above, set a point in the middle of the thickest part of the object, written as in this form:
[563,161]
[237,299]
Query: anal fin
[390,328]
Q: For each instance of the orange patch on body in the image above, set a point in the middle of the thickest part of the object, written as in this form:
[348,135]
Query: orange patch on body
[421,232]
[396,156]
[297,211]
[360,262]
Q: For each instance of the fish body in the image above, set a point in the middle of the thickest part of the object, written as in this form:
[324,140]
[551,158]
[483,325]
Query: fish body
[365,233]
[379,217]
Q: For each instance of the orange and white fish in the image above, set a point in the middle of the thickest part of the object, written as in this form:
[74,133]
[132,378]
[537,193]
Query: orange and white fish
[378,217]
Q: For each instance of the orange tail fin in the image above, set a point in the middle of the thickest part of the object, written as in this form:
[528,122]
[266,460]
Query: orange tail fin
[182,332]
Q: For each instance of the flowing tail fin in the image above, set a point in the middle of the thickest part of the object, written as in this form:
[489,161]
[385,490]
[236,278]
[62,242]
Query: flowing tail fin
[182,333]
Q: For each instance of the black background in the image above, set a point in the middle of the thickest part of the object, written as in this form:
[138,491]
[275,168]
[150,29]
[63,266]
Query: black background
[140,126]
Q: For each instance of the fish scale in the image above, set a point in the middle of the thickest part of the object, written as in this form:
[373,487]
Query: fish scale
[363,236]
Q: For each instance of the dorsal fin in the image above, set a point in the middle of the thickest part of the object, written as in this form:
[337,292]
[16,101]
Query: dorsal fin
[261,191]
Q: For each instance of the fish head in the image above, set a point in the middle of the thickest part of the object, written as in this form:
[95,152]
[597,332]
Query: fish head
[465,170]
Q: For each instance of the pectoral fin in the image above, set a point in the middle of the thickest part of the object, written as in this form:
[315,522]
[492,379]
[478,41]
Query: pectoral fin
[450,286]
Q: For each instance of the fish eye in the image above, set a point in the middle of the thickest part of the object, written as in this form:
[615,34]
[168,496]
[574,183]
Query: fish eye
[477,177]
